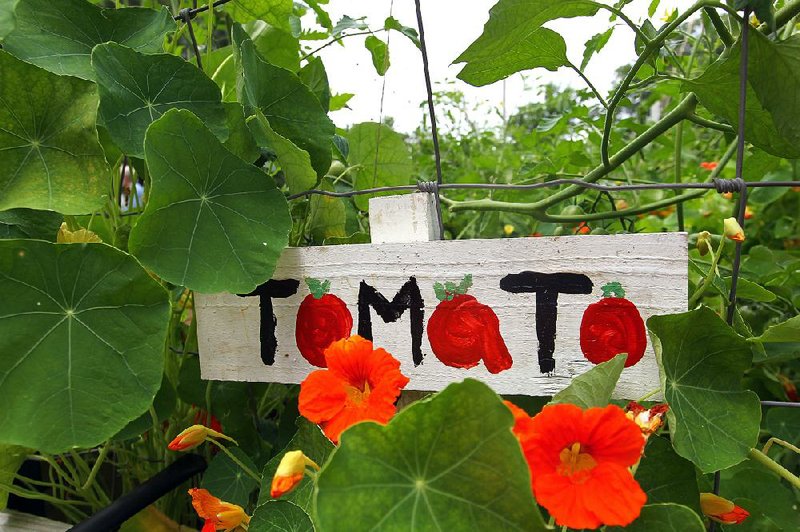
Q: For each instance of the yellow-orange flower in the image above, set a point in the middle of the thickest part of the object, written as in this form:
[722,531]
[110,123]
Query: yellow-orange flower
[580,463]
[194,436]
[733,230]
[722,510]
[360,384]
[290,472]
[218,514]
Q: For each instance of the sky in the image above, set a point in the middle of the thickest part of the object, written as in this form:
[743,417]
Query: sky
[450,27]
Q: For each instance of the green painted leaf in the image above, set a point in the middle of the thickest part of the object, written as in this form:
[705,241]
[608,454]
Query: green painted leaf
[240,140]
[7,18]
[446,463]
[787,331]
[49,152]
[27,223]
[382,158]
[227,223]
[11,458]
[293,111]
[82,329]
[280,516]
[513,39]
[593,388]
[666,477]
[713,422]
[664,518]
[314,444]
[718,88]
[315,77]
[227,481]
[295,162]
[59,36]
[379,51]
[137,89]
[275,12]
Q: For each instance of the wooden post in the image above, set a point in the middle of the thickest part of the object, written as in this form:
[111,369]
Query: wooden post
[404,218]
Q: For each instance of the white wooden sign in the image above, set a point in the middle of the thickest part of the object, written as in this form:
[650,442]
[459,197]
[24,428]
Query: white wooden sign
[534,317]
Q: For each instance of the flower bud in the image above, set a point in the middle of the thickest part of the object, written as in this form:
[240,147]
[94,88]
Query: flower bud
[648,420]
[733,230]
[218,514]
[290,472]
[722,510]
[194,436]
[704,243]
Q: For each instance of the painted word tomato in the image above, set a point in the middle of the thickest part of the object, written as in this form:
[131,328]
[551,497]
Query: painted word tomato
[462,331]
[322,319]
[612,326]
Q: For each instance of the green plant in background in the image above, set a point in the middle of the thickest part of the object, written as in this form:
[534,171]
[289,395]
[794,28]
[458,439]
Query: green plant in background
[98,344]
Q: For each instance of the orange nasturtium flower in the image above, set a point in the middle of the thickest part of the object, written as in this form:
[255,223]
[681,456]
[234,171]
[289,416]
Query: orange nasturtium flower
[290,472]
[580,463]
[649,420]
[218,515]
[194,436]
[722,510]
[709,165]
[361,383]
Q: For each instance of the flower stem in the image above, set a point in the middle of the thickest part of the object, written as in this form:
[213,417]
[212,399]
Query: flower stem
[709,279]
[96,467]
[236,461]
[775,467]
[780,442]
[648,395]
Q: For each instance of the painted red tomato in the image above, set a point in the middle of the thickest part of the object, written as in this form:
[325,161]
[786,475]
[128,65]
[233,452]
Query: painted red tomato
[322,319]
[463,331]
[612,326]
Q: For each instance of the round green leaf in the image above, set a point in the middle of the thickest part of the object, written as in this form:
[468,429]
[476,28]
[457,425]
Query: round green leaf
[28,223]
[82,329]
[213,222]
[664,518]
[784,423]
[381,158]
[666,477]
[274,12]
[7,19]
[136,89]
[775,504]
[713,422]
[59,36]
[227,481]
[448,463]
[280,516]
[49,152]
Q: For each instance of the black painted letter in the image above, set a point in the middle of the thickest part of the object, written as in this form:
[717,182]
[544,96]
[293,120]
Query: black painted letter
[408,297]
[265,292]
[546,286]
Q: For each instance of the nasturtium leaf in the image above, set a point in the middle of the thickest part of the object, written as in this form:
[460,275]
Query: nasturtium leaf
[666,477]
[7,18]
[136,89]
[595,387]
[381,158]
[665,517]
[513,39]
[226,479]
[379,51]
[240,140]
[295,162]
[776,505]
[784,423]
[718,89]
[59,36]
[277,46]
[749,290]
[11,458]
[327,218]
[274,12]
[82,332]
[293,110]
[49,153]
[314,444]
[213,222]
[787,331]
[163,406]
[28,223]
[315,77]
[282,516]
[713,422]
[445,463]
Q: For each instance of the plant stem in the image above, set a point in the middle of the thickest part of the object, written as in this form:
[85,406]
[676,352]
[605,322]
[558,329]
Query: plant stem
[705,122]
[648,395]
[679,168]
[722,30]
[709,278]
[775,467]
[790,10]
[236,461]
[97,464]
[29,494]
[210,31]
[780,442]
[589,83]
